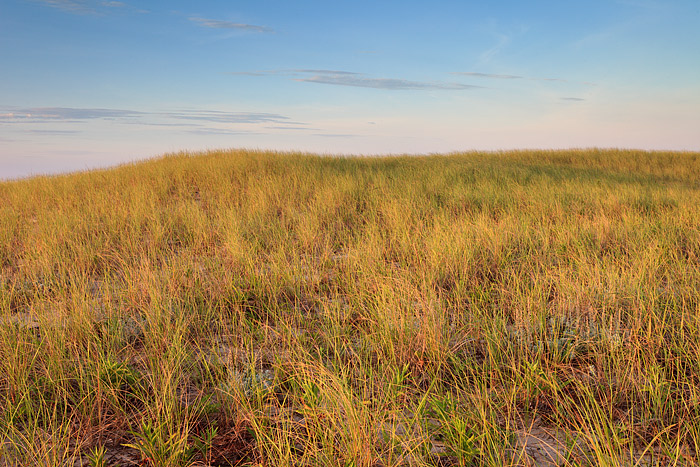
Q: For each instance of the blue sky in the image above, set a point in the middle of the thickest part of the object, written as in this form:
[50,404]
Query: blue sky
[91,83]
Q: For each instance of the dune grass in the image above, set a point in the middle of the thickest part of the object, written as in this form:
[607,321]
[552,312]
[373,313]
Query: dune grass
[259,308]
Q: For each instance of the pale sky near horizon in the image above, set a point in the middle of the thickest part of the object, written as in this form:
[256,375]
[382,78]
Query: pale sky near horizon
[91,83]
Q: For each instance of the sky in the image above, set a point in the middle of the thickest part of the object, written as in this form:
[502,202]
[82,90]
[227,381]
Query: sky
[94,83]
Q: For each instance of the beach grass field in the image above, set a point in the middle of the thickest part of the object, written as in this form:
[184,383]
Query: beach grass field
[260,308]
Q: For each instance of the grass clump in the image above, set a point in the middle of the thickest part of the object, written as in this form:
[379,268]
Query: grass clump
[260,308]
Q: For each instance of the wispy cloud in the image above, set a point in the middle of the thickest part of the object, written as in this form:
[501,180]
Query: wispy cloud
[53,132]
[294,72]
[295,128]
[219,24]
[485,75]
[158,124]
[67,114]
[65,121]
[39,114]
[336,135]
[573,99]
[488,54]
[73,6]
[382,83]
[325,72]
[476,74]
[227,117]
[86,7]
[360,80]
[220,131]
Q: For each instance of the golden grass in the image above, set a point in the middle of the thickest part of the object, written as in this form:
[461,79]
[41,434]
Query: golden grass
[259,308]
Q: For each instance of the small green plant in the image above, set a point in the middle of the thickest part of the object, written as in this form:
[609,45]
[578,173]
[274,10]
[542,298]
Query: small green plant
[118,376]
[456,430]
[160,448]
[203,443]
[97,456]
[399,380]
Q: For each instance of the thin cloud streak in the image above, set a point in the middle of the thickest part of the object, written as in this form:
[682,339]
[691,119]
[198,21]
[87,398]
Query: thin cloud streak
[293,72]
[383,83]
[476,74]
[326,72]
[72,6]
[296,128]
[335,135]
[485,75]
[359,80]
[53,132]
[86,7]
[158,124]
[69,114]
[42,114]
[221,131]
[67,121]
[227,117]
[219,24]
